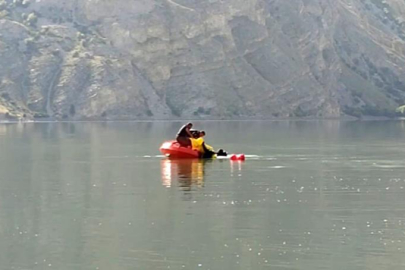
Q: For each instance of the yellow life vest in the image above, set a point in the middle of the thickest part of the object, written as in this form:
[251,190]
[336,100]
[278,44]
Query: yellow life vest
[197,144]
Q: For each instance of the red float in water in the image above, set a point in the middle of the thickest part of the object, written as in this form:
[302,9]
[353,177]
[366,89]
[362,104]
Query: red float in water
[239,157]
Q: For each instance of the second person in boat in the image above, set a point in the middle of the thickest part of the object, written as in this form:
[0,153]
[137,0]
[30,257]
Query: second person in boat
[184,135]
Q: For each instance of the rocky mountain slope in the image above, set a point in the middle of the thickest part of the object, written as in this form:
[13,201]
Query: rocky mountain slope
[91,59]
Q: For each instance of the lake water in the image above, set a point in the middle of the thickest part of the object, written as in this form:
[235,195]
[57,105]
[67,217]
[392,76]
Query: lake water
[311,195]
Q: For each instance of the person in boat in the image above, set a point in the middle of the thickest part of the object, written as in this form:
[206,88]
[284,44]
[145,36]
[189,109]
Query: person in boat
[195,133]
[205,150]
[209,151]
[184,135]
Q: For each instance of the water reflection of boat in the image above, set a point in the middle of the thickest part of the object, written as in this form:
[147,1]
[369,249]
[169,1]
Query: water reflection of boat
[187,172]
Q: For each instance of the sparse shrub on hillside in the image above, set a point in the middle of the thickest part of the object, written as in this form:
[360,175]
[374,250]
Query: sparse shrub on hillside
[80,36]
[21,3]
[355,112]
[4,14]
[201,111]
[401,109]
[75,54]
[377,111]
[17,3]
[149,113]
[3,5]
[29,43]
[88,56]
[39,115]
[83,43]
[299,112]
[25,3]
[72,110]
[6,96]
[44,31]
[56,53]
[32,19]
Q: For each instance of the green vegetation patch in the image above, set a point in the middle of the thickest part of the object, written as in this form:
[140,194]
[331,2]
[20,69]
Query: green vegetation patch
[376,101]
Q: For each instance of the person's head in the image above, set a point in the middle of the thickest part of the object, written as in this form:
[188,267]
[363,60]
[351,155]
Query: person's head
[190,125]
[202,133]
[195,133]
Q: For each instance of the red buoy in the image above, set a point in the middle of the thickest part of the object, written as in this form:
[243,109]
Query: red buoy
[239,157]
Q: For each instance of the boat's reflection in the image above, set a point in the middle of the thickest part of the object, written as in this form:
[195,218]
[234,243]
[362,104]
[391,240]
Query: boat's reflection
[184,172]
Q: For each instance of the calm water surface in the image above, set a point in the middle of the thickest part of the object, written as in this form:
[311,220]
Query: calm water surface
[311,195]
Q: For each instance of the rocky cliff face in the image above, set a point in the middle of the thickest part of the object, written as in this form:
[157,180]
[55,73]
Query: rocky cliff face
[92,59]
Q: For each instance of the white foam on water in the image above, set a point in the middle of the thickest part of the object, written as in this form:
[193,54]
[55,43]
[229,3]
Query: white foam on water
[387,166]
[252,156]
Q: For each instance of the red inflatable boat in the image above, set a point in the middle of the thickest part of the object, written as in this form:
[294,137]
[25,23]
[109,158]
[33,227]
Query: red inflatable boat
[174,150]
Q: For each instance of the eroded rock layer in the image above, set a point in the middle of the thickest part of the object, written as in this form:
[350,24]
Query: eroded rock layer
[120,59]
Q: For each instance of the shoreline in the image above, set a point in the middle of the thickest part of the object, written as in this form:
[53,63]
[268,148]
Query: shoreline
[118,120]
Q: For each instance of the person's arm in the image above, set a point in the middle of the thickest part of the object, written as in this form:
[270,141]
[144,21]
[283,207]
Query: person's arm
[189,133]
